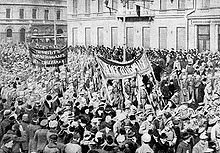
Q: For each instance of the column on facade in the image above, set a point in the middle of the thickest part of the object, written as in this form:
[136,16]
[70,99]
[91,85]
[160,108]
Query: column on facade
[216,47]
[213,37]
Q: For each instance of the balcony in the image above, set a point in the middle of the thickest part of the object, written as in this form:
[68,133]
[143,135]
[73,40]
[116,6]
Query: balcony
[139,10]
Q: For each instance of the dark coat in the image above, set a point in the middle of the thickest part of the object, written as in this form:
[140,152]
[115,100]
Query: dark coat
[40,139]
[183,148]
[3,126]
[160,147]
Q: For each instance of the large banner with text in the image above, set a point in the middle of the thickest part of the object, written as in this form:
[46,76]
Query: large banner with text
[48,57]
[119,70]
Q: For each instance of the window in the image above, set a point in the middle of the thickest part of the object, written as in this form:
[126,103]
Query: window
[130,36]
[163,4]
[34,13]
[204,37]
[218,37]
[147,4]
[100,6]
[46,15]
[8,13]
[58,14]
[130,4]
[205,3]
[114,36]
[9,33]
[181,36]
[22,35]
[162,37]
[21,13]
[146,37]
[115,4]
[181,4]
[74,7]
[87,6]
[100,37]
[87,36]
[74,36]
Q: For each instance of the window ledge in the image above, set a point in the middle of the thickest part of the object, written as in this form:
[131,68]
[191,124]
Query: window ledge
[163,10]
[181,9]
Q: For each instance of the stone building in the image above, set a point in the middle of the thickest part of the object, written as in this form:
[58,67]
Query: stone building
[178,24]
[22,18]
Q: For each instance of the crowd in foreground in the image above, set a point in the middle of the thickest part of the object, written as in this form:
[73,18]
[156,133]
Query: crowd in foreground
[70,109]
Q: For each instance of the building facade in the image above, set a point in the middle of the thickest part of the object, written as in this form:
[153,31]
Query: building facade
[178,24]
[22,18]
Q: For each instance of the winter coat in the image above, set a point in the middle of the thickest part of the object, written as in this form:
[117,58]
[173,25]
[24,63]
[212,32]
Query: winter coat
[73,148]
[30,135]
[183,147]
[40,139]
[51,148]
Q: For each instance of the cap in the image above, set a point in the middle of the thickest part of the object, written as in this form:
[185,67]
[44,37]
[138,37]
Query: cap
[186,135]
[44,122]
[120,138]
[53,124]
[208,150]
[49,97]
[7,112]
[53,137]
[25,117]
[146,138]
[203,136]
[163,136]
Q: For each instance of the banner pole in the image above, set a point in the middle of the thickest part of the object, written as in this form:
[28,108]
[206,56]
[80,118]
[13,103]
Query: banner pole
[139,90]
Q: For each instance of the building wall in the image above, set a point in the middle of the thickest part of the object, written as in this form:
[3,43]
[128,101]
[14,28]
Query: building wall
[181,23]
[28,23]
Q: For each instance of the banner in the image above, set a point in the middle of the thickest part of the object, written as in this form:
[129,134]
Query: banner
[118,70]
[48,57]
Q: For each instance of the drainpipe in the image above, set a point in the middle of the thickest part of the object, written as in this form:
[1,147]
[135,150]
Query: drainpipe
[187,23]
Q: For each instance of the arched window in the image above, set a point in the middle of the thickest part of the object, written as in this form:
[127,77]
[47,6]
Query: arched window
[59,31]
[35,31]
[9,33]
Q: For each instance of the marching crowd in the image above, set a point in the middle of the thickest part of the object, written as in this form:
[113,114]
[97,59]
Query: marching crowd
[72,109]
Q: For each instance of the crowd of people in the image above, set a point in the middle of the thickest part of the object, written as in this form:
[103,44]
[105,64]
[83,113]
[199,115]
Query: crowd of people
[73,109]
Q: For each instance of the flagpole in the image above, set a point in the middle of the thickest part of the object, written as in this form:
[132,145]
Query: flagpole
[55,28]
[124,30]
[124,43]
